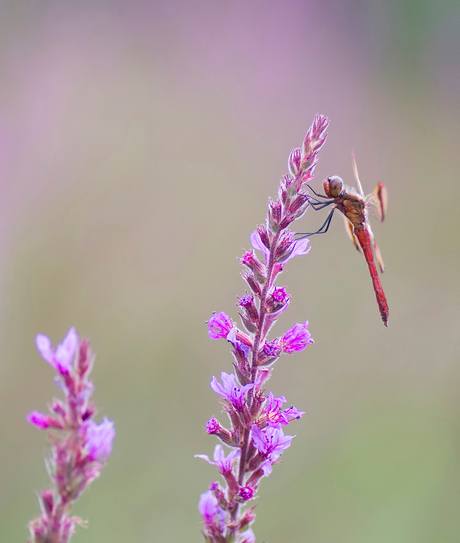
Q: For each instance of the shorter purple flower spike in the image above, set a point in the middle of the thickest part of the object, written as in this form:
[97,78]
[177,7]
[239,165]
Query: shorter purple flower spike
[219,325]
[81,446]
[296,339]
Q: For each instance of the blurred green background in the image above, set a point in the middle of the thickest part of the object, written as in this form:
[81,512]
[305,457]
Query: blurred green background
[139,142]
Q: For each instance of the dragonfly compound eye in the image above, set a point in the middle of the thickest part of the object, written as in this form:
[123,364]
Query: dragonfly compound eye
[335,185]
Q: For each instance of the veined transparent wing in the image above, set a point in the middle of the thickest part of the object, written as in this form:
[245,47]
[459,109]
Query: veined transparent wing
[376,205]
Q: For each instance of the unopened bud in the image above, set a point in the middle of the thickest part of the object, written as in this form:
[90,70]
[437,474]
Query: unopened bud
[84,357]
[248,324]
[214,428]
[247,518]
[231,481]
[294,162]
[274,214]
[263,234]
[47,500]
[298,202]
[249,307]
[250,260]
[251,281]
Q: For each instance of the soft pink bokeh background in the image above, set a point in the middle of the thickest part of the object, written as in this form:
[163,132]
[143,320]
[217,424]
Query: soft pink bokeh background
[139,142]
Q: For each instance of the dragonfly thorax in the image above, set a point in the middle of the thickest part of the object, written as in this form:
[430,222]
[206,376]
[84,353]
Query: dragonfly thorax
[333,186]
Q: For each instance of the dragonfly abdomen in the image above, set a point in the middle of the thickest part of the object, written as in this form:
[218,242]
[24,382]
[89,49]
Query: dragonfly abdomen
[364,240]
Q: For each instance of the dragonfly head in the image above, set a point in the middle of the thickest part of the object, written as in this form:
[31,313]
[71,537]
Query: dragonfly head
[333,186]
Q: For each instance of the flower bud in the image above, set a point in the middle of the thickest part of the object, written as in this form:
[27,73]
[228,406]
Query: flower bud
[250,260]
[249,307]
[256,476]
[85,358]
[243,373]
[47,500]
[250,326]
[231,481]
[294,162]
[58,407]
[38,531]
[42,421]
[246,493]
[263,234]
[299,203]
[285,246]
[277,300]
[251,281]
[214,428]
[247,518]
[269,353]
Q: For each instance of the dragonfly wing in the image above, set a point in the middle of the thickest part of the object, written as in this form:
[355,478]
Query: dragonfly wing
[379,198]
[355,173]
[351,235]
[378,254]
[377,202]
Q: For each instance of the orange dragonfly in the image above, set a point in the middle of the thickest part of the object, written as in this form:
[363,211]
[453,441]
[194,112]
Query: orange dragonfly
[355,206]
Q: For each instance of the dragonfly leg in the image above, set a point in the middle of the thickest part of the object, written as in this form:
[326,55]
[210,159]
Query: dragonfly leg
[322,230]
[320,205]
[315,193]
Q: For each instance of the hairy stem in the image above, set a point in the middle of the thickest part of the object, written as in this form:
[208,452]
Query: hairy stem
[255,350]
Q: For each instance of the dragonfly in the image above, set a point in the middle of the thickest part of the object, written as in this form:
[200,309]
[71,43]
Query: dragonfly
[355,208]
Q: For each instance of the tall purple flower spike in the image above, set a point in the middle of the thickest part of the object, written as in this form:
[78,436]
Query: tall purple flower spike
[254,435]
[80,447]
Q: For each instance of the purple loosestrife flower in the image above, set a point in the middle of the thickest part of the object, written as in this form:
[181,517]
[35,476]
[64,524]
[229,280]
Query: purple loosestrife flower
[222,462]
[273,415]
[99,438]
[80,445]
[255,437]
[296,339]
[229,389]
[270,443]
[220,325]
